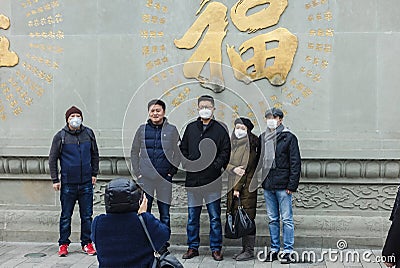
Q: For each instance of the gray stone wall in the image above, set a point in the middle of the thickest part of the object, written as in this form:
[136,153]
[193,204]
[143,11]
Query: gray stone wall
[111,57]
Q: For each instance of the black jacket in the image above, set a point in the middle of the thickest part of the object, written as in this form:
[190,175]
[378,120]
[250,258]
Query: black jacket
[287,170]
[391,249]
[155,149]
[78,155]
[204,172]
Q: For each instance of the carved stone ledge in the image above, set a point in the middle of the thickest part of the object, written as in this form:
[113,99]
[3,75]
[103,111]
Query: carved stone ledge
[311,168]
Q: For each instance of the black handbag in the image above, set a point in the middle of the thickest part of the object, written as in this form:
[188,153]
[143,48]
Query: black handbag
[165,260]
[238,224]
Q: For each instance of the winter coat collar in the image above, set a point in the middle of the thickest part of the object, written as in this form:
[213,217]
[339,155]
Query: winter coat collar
[165,122]
[74,132]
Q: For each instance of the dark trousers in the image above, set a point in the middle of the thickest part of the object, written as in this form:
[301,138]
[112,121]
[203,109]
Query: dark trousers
[70,193]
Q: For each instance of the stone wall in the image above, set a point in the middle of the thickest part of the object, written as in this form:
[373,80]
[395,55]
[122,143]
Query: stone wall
[337,199]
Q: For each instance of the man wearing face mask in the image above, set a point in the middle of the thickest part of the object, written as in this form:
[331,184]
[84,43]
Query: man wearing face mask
[281,167]
[76,148]
[203,173]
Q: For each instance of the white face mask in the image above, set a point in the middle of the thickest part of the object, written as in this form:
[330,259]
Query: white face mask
[75,122]
[272,123]
[205,113]
[240,133]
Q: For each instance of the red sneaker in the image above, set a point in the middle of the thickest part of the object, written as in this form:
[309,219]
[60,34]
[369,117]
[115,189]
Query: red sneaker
[63,250]
[89,250]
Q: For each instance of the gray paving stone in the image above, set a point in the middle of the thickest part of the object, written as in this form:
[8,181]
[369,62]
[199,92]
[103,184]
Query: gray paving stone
[12,255]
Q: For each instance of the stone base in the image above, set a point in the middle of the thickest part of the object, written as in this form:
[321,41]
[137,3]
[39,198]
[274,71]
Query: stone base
[35,225]
[347,200]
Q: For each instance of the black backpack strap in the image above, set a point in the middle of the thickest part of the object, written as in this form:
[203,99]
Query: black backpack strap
[62,139]
[90,133]
[91,136]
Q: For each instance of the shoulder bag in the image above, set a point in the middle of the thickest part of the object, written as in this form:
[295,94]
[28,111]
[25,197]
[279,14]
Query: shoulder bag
[238,224]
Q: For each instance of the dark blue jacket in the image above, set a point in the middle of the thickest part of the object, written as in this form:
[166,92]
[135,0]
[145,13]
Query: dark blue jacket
[287,171]
[194,134]
[121,241]
[155,150]
[78,155]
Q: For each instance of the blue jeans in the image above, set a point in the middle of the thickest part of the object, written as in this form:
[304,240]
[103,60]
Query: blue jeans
[279,206]
[213,204]
[70,193]
[163,209]
[163,189]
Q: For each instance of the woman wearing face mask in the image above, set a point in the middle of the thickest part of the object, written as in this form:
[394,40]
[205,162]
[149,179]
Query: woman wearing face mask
[241,168]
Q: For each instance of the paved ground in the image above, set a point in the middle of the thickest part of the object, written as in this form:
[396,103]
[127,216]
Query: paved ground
[15,255]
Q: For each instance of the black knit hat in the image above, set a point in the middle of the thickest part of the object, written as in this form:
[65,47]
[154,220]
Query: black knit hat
[122,195]
[72,110]
[245,121]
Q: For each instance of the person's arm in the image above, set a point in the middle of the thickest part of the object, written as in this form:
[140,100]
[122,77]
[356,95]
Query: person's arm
[94,157]
[176,157]
[229,169]
[135,153]
[392,244]
[94,226]
[260,154]
[295,165]
[159,232]
[184,147]
[222,158]
[54,155]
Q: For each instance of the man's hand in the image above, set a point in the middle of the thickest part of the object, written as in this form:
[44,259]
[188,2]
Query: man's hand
[389,264]
[288,191]
[94,179]
[57,186]
[143,205]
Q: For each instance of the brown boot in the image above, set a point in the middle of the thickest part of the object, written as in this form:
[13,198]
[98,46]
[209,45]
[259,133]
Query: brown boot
[248,254]
[190,253]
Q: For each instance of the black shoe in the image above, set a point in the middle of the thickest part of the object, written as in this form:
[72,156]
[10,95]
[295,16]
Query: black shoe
[190,253]
[286,258]
[271,256]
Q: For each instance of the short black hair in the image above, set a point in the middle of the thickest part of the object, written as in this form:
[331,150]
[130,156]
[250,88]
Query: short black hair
[274,112]
[154,102]
[205,98]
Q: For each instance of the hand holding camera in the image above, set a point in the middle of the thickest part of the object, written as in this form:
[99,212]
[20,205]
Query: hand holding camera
[143,204]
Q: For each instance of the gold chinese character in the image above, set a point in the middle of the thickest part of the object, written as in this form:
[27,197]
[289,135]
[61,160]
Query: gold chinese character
[296,102]
[214,19]
[307,92]
[283,54]
[265,18]
[146,18]
[146,50]
[7,58]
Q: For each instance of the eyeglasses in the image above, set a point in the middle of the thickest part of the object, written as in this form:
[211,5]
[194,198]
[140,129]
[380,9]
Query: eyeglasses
[205,107]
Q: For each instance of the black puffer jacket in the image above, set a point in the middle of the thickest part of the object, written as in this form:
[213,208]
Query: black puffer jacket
[155,149]
[287,170]
[192,137]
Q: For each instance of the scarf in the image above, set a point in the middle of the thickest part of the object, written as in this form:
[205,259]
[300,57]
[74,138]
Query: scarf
[270,138]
